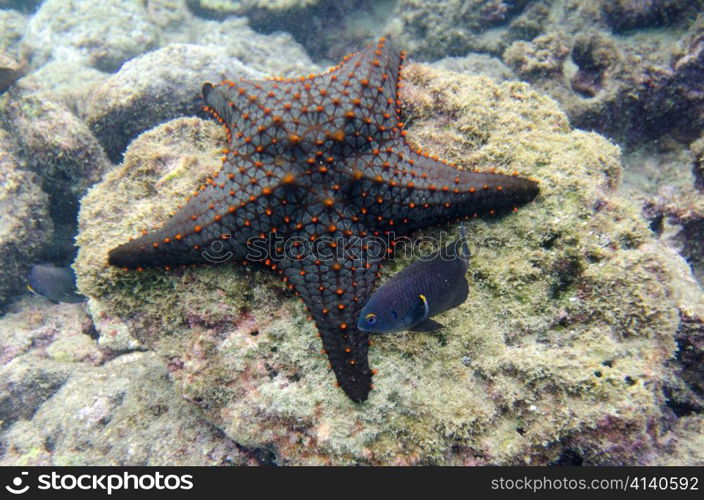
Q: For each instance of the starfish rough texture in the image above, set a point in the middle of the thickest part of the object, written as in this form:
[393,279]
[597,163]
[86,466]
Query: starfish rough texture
[317,183]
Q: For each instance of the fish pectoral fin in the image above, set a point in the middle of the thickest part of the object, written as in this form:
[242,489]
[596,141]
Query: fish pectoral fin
[418,312]
[429,325]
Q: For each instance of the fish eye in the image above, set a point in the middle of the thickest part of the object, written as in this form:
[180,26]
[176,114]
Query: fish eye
[371,319]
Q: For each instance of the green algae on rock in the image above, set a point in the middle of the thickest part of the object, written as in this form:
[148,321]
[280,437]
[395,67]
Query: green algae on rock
[697,149]
[565,335]
[454,27]
[65,400]
[685,444]
[25,225]
[155,87]
[56,144]
[77,30]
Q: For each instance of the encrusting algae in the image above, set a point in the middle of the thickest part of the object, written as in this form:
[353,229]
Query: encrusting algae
[564,337]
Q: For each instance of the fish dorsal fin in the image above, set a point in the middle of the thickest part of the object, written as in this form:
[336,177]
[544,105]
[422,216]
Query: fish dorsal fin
[418,312]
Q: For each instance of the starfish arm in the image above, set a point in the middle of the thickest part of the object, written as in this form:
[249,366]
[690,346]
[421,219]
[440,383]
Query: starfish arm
[318,118]
[402,190]
[217,224]
[334,281]
[188,237]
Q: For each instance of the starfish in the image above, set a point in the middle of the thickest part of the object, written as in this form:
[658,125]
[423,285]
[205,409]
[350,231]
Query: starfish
[317,184]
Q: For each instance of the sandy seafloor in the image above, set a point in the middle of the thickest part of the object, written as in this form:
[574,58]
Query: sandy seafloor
[593,356]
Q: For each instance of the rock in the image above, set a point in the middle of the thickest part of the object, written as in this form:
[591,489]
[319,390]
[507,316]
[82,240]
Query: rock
[40,109]
[10,71]
[12,26]
[690,341]
[685,444]
[326,28]
[103,35]
[27,386]
[673,93]
[541,58]
[683,211]
[155,87]
[275,54]
[66,401]
[25,225]
[594,54]
[650,166]
[697,149]
[631,88]
[62,82]
[122,413]
[565,338]
[454,28]
[60,149]
[678,216]
[113,335]
[624,15]
[170,14]
[477,64]
[36,352]
[254,8]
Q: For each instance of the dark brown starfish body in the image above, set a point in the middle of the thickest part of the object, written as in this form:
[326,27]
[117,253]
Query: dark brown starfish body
[317,182]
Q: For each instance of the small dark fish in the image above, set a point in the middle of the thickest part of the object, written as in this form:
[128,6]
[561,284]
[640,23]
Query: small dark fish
[428,287]
[58,284]
[10,71]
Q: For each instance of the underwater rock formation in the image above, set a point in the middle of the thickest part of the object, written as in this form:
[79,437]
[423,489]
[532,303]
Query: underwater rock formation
[62,83]
[11,70]
[168,14]
[322,26]
[25,225]
[677,214]
[77,30]
[540,59]
[608,75]
[165,83]
[155,87]
[685,443]
[476,64]
[683,210]
[697,149]
[275,53]
[12,26]
[431,30]
[624,15]
[224,8]
[565,337]
[631,88]
[56,145]
[594,54]
[64,400]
